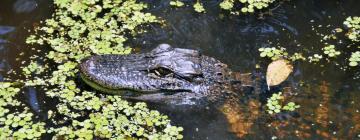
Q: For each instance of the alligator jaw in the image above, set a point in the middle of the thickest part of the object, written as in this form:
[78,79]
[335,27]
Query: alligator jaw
[174,98]
[178,98]
[165,74]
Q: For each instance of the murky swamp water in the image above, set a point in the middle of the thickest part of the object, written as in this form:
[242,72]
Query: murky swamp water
[329,96]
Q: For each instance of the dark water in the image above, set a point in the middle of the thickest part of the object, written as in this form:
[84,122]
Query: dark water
[329,96]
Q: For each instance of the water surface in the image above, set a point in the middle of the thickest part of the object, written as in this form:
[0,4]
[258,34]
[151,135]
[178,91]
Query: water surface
[329,96]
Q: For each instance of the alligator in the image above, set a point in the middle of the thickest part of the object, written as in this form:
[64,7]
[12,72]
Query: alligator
[177,76]
[165,74]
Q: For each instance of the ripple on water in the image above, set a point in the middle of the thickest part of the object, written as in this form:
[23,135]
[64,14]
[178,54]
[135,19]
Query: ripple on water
[5,30]
[24,6]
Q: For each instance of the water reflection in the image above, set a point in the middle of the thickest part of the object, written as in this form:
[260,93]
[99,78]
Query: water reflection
[24,6]
[234,40]
[2,41]
[4,67]
[6,29]
[32,99]
[269,23]
[241,117]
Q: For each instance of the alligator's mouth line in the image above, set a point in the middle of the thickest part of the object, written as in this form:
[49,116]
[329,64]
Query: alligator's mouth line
[126,91]
[163,74]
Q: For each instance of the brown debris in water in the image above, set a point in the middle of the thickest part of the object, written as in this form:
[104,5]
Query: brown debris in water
[241,119]
[355,117]
[322,112]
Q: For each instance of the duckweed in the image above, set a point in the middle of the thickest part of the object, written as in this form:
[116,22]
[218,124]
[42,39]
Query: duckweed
[273,52]
[199,7]
[330,51]
[76,30]
[351,32]
[279,53]
[353,25]
[297,56]
[291,106]
[33,68]
[315,58]
[354,59]
[275,104]
[177,3]
[18,124]
[7,95]
[247,6]
[234,6]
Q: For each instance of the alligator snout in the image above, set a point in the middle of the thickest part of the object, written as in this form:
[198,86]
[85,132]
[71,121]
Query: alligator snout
[88,64]
[164,69]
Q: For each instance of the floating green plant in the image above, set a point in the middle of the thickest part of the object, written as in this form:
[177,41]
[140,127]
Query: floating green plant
[177,3]
[297,56]
[291,106]
[330,51]
[18,124]
[33,68]
[315,58]
[273,53]
[199,7]
[234,6]
[351,32]
[76,30]
[247,6]
[354,59]
[353,25]
[7,95]
[275,104]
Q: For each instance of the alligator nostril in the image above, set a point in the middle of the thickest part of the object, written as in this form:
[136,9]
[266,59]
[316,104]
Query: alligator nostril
[90,64]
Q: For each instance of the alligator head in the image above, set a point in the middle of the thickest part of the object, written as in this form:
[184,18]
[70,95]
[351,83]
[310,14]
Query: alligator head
[163,74]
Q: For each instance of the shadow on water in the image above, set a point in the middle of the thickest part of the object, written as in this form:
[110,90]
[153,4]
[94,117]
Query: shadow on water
[328,95]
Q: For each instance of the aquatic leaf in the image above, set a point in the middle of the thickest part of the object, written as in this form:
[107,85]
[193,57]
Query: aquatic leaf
[278,71]
[354,59]
[177,3]
[199,7]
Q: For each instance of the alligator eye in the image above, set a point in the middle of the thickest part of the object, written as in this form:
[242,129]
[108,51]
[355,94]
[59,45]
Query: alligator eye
[161,71]
[198,79]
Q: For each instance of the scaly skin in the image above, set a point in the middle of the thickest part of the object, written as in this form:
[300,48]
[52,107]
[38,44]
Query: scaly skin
[164,70]
[172,76]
